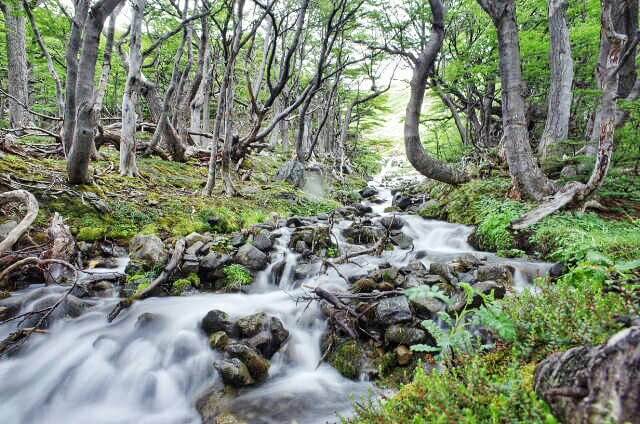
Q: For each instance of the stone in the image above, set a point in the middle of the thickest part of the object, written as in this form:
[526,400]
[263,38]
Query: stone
[403,335]
[190,267]
[262,242]
[316,236]
[427,307]
[251,325]
[301,247]
[192,238]
[467,262]
[401,202]
[214,260]
[393,310]
[215,321]
[557,270]
[149,321]
[364,285]
[234,372]
[391,222]
[368,191]
[403,355]
[277,271]
[358,233]
[219,340]
[294,222]
[362,210]
[500,273]
[402,240]
[600,382]
[486,288]
[293,172]
[252,258]
[148,249]
[237,240]
[194,248]
[257,365]
[303,270]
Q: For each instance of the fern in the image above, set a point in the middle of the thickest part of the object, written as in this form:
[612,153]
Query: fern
[427,292]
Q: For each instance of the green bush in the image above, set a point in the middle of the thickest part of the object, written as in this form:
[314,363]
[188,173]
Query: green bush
[236,276]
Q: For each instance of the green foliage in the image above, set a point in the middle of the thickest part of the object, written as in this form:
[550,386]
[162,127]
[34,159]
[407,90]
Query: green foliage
[456,340]
[493,231]
[427,292]
[236,276]
[347,359]
[179,286]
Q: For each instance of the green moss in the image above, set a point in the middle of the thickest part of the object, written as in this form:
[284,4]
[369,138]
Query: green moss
[347,359]
[236,276]
[433,210]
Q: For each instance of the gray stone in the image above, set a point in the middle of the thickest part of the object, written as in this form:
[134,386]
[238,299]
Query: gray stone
[237,240]
[251,257]
[257,365]
[214,261]
[148,249]
[251,325]
[262,242]
[399,334]
[190,267]
[368,191]
[427,307]
[192,238]
[393,310]
[501,273]
[194,248]
[215,321]
[402,240]
[391,222]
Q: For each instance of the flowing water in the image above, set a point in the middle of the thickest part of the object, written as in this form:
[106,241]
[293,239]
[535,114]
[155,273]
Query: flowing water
[87,370]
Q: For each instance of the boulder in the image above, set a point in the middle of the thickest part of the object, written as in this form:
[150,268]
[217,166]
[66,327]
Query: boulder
[427,307]
[316,236]
[401,240]
[403,335]
[215,321]
[237,240]
[557,270]
[148,249]
[262,242]
[219,340]
[363,234]
[271,339]
[252,258]
[391,222]
[214,261]
[193,238]
[234,372]
[293,172]
[594,384]
[251,325]
[500,273]
[368,191]
[393,310]
[362,210]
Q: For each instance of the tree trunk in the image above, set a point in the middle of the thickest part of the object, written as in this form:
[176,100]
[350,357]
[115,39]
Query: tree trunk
[527,176]
[415,151]
[128,165]
[17,70]
[559,103]
[73,49]
[85,128]
[576,192]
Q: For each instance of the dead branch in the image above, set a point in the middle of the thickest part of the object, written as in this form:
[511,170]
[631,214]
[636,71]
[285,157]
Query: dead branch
[176,257]
[31,204]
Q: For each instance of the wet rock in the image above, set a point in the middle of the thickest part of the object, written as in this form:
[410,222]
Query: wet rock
[108,263]
[303,270]
[427,307]
[404,335]
[194,248]
[270,340]
[445,271]
[315,237]
[401,202]
[251,325]
[148,249]
[294,222]
[393,310]
[277,271]
[148,321]
[262,242]
[368,192]
[500,273]
[391,222]
[557,270]
[234,372]
[403,355]
[362,210]
[190,266]
[251,257]
[214,321]
[257,365]
[364,285]
[193,238]
[594,384]
[301,247]
[401,240]
[466,262]
[219,340]
[293,172]
[237,240]
[487,288]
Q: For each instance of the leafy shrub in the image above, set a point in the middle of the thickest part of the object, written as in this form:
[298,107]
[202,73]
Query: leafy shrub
[236,276]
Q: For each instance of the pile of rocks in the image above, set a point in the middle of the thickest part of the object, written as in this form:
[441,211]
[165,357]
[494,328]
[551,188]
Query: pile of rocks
[247,345]
[388,319]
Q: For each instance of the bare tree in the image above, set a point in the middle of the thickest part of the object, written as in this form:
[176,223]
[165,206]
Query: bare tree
[128,165]
[18,89]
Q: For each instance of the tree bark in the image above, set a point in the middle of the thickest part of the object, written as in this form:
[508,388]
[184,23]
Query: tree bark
[128,165]
[73,49]
[18,73]
[528,178]
[559,103]
[85,128]
[419,158]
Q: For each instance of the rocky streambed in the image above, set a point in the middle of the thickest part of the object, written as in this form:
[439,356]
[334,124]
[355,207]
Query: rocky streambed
[287,322]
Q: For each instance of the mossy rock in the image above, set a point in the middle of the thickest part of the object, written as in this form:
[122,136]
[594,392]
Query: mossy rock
[348,359]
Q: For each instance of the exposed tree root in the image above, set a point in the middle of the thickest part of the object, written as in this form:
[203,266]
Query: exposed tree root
[31,204]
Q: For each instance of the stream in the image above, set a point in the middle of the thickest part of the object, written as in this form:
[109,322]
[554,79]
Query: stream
[87,370]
